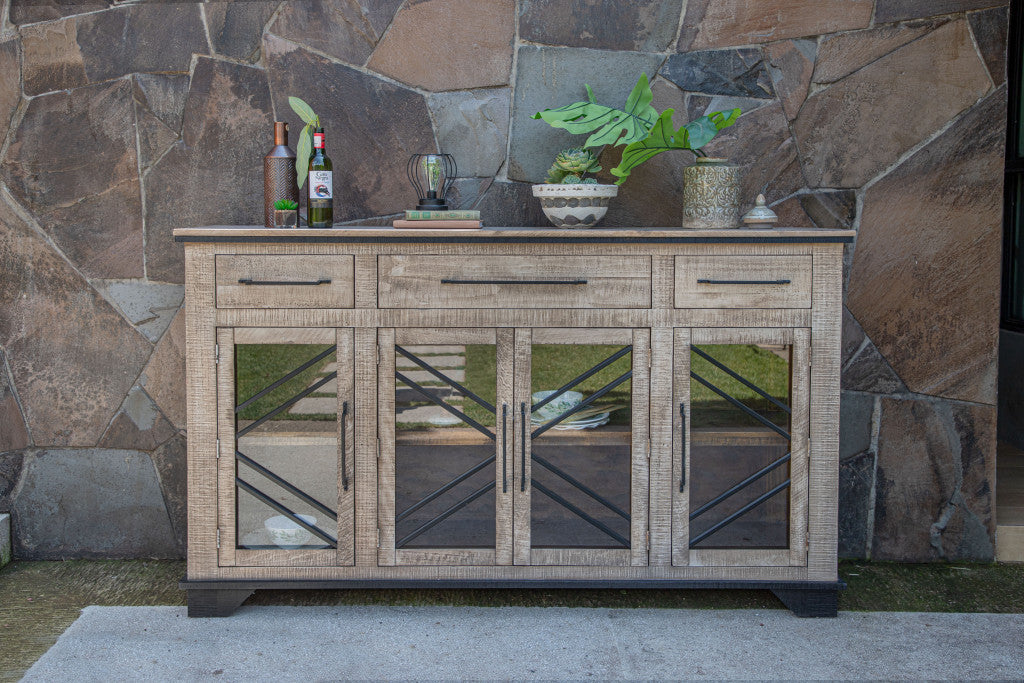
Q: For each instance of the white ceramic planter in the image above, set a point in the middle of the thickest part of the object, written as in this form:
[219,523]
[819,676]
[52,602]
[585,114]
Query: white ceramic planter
[576,205]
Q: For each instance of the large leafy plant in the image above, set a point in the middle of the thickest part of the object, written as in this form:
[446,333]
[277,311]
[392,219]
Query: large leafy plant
[304,146]
[637,125]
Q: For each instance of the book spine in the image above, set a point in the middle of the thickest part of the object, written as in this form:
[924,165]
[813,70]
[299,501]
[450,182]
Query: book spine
[461,224]
[466,215]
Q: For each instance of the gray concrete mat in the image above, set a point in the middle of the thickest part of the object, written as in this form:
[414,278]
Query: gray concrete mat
[459,643]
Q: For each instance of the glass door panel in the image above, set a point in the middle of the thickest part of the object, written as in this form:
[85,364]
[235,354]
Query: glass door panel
[292,464]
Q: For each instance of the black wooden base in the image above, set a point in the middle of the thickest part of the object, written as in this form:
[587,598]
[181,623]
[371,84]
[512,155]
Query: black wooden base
[220,598]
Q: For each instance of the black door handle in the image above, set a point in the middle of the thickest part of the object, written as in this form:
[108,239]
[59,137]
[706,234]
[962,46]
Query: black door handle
[250,281]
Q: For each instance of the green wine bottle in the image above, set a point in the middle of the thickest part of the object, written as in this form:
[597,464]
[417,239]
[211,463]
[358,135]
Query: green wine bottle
[320,210]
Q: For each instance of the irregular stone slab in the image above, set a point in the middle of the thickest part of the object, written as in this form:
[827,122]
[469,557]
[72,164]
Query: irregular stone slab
[831,209]
[465,192]
[14,434]
[550,77]
[315,406]
[10,473]
[5,539]
[164,95]
[989,29]
[899,10]
[70,384]
[641,26]
[138,425]
[338,28]
[472,126]
[155,138]
[31,11]
[91,503]
[737,73]
[236,28]
[420,376]
[406,395]
[895,102]
[724,23]
[934,481]
[170,462]
[791,214]
[791,64]
[511,204]
[856,481]
[432,414]
[10,83]
[91,48]
[841,54]
[864,368]
[403,363]
[927,295]
[150,306]
[855,411]
[164,376]
[477,54]
[72,163]
[228,108]
[369,176]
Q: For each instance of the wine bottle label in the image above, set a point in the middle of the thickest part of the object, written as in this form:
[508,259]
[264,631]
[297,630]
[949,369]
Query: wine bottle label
[321,185]
[318,140]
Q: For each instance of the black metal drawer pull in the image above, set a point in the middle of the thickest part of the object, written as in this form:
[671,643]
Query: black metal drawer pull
[249,281]
[449,281]
[743,282]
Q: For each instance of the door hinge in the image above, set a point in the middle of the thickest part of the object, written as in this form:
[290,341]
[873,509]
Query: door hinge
[378,354]
[218,449]
[216,354]
[218,537]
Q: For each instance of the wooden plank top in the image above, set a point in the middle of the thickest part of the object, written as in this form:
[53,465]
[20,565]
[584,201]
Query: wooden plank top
[507,235]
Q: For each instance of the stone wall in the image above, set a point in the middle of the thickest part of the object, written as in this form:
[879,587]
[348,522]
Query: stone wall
[128,119]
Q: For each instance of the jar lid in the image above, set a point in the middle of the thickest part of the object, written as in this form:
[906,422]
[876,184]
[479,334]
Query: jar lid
[760,214]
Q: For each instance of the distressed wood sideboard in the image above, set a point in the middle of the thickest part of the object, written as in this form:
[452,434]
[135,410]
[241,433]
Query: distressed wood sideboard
[512,407]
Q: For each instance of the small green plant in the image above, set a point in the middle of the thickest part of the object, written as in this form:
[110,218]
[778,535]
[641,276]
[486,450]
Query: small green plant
[285,205]
[572,165]
[637,125]
[304,146]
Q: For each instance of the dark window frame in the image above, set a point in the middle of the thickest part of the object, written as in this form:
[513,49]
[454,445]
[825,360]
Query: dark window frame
[1013,227]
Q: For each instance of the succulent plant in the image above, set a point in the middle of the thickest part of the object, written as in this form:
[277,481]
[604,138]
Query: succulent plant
[285,205]
[590,181]
[572,163]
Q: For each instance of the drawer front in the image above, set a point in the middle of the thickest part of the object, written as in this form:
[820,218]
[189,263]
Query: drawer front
[743,281]
[285,281]
[474,281]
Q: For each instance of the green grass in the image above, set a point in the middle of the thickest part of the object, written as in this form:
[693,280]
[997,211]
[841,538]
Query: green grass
[260,365]
[39,600]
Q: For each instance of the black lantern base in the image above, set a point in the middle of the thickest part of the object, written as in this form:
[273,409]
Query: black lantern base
[432,204]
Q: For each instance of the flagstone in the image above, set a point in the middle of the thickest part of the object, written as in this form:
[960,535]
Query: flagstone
[640,25]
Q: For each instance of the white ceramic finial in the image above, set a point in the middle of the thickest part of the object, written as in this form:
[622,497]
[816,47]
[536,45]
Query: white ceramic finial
[760,216]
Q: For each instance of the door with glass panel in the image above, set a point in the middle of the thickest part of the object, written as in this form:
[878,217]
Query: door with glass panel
[445,428]
[285,447]
[740,447]
[581,445]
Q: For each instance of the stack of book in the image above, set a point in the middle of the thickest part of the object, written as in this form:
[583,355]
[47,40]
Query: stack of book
[440,220]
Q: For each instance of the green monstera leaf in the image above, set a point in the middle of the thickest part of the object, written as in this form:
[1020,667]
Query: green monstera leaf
[304,146]
[610,126]
[663,138]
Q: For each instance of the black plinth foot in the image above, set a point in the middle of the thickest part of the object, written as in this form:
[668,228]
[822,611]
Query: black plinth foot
[215,602]
[810,602]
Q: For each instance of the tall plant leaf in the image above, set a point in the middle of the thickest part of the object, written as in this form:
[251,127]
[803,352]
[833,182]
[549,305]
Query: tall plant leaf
[663,138]
[304,111]
[610,126]
[303,150]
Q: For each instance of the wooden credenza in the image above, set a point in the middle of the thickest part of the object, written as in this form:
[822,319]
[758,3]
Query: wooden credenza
[376,391]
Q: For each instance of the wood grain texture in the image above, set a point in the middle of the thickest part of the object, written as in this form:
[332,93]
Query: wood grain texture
[385,447]
[580,557]
[418,281]
[504,474]
[276,335]
[640,451]
[227,491]
[521,469]
[662,435]
[680,481]
[466,557]
[799,428]
[337,269]
[738,275]
[344,357]
[365,451]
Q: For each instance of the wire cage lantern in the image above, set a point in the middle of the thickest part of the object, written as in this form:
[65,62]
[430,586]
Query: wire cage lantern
[432,176]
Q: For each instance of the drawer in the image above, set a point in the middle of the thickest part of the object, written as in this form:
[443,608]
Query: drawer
[743,281]
[475,281]
[285,281]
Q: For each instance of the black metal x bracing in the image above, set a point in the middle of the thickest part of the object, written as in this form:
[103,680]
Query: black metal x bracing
[739,404]
[739,513]
[284,406]
[451,409]
[447,380]
[739,487]
[294,373]
[316,531]
[581,514]
[444,515]
[582,404]
[286,485]
[589,373]
[739,378]
[444,489]
[581,486]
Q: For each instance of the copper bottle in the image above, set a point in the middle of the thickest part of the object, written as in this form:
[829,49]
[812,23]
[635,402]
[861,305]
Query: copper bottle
[278,174]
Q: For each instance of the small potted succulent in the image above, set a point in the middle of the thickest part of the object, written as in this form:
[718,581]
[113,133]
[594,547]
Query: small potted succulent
[569,197]
[286,214]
